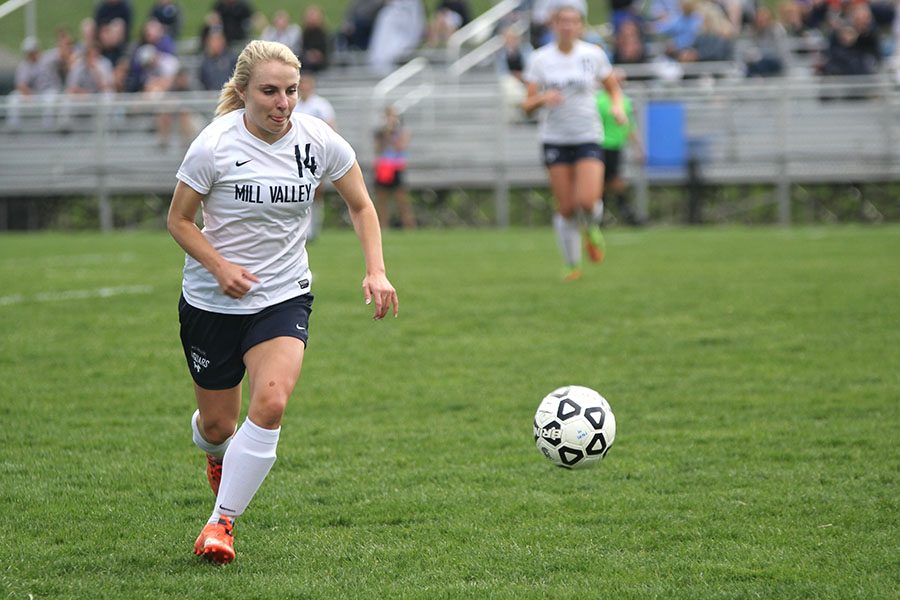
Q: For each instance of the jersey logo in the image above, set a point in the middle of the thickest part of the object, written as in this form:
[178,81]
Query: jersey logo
[241,163]
[305,161]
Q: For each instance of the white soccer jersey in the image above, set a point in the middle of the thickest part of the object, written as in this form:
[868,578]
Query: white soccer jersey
[316,106]
[257,209]
[576,75]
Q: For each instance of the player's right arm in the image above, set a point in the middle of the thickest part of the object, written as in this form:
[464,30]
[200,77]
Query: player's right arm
[534,98]
[234,281]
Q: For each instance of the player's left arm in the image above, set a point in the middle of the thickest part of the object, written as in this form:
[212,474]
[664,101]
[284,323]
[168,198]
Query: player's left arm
[352,188]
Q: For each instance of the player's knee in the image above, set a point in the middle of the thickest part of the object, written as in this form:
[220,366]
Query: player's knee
[270,403]
[217,431]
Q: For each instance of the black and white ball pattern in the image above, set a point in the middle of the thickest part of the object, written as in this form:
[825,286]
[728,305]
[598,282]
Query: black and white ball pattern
[574,427]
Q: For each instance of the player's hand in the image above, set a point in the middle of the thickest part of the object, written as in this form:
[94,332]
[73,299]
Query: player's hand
[553,97]
[234,281]
[619,115]
[377,287]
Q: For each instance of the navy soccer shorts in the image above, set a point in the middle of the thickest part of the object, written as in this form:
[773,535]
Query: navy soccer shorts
[559,154]
[215,343]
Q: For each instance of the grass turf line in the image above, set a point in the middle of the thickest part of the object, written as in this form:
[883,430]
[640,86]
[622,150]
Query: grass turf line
[752,372]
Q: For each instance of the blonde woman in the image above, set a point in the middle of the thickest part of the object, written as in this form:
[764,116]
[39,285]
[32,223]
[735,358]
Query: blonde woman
[246,298]
[561,80]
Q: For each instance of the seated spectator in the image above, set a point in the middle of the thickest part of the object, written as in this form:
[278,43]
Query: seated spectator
[87,30]
[111,10]
[623,11]
[715,41]
[316,40]
[212,21]
[92,73]
[629,44]
[681,31]
[512,57]
[790,16]
[111,40]
[769,54]
[310,102]
[154,33]
[449,16]
[168,14]
[218,62]
[37,81]
[854,48]
[236,16]
[63,55]
[356,30]
[398,31]
[282,30]
[158,69]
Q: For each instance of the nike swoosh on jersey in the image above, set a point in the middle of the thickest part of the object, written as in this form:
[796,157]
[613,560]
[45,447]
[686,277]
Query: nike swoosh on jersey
[239,163]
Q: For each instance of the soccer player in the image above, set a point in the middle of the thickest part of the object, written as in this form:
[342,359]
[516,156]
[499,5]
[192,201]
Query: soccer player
[562,78]
[246,298]
[615,137]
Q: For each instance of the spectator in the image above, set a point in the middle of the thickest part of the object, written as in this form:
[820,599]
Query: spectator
[87,29]
[211,22]
[854,48]
[769,54]
[616,137]
[110,10]
[314,55]
[37,81]
[356,30]
[391,143]
[512,57]
[715,41]
[92,73]
[311,103]
[168,14]
[398,31]
[282,30]
[790,16]
[218,62]
[153,32]
[629,45]
[622,11]
[681,31]
[111,43]
[449,16]
[236,16]
[62,56]
[158,74]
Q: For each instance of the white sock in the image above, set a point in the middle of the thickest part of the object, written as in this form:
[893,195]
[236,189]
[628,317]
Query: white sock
[250,456]
[597,212]
[208,447]
[568,238]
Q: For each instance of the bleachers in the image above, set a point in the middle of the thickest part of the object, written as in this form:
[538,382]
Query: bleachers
[466,135]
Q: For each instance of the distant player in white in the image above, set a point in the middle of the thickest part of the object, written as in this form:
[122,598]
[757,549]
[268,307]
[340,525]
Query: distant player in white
[245,295]
[562,79]
[311,103]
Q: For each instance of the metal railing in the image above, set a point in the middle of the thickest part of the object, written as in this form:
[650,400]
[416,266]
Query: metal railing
[10,6]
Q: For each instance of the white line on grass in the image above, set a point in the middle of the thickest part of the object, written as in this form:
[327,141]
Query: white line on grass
[104,292]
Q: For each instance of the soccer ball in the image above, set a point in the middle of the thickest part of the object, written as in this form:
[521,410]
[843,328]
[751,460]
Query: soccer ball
[574,427]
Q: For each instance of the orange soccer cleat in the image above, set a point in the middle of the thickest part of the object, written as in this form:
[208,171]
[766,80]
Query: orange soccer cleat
[216,542]
[595,244]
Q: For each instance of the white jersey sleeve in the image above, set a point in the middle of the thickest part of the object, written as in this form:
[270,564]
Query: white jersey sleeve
[198,169]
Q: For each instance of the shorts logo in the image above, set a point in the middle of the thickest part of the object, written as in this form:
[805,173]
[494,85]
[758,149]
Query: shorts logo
[551,155]
[200,361]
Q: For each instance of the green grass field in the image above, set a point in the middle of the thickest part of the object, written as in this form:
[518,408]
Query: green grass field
[753,372]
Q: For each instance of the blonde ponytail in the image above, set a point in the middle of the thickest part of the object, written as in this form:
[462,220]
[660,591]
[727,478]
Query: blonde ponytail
[253,54]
